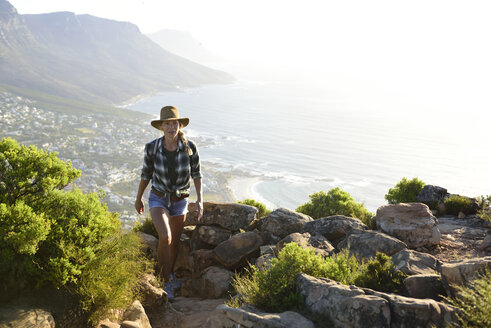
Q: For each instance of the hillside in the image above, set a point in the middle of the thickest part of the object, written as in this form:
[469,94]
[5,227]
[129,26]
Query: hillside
[90,59]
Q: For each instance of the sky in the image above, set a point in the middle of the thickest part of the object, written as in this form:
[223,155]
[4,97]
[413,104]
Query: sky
[436,51]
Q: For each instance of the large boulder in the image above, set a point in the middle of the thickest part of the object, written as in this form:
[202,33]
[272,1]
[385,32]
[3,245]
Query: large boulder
[231,216]
[485,245]
[225,317]
[25,317]
[347,306]
[202,259]
[151,295]
[413,223]
[412,262]
[235,252]
[282,222]
[213,235]
[318,243]
[424,286]
[432,196]
[414,312]
[149,244]
[183,266]
[460,273]
[334,228]
[366,243]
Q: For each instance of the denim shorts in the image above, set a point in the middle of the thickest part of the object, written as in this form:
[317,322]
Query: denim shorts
[174,208]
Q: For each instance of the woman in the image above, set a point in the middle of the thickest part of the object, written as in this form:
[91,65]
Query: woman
[170,162]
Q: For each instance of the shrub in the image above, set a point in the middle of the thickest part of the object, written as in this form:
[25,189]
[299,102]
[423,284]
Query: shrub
[485,207]
[274,289]
[335,202]
[406,191]
[474,303]
[263,211]
[455,204]
[381,275]
[65,239]
[146,226]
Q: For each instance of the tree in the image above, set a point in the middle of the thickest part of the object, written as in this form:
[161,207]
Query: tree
[406,191]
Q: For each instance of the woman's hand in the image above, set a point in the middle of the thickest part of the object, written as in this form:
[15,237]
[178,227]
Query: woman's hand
[139,206]
[199,209]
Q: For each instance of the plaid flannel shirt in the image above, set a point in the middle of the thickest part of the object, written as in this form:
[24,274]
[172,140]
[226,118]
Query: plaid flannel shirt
[155,167]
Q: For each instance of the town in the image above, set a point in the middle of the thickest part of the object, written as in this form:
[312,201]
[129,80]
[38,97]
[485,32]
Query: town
[107,149]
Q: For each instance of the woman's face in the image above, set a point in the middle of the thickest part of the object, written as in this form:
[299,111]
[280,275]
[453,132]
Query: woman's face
[170,128]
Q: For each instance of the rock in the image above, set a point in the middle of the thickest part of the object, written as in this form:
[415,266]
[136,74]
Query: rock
[25,317]
[282,222]
[225,317]
[213,282]
[432,196]
[235,252]
[136,313]
[334,228]
[197,243]
[183,265]
[485,246]
[231,216]
[413,223]
[424,286]
[151,295]
[108,324]
[202,259]
[195,311]
[263,262]
[149,244]
[213,235]
[347,306]
[414,312]
[412,262]
[317,242]
[460,273]
[366,243]
[267,249]
[461,215]
[130,324]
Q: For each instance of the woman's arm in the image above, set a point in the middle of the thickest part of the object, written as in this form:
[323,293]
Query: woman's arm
[199,201]
[138,202]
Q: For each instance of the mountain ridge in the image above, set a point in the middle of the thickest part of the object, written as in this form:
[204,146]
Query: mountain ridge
[91,59]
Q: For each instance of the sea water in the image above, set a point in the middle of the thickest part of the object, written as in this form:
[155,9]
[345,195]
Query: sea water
[297,139]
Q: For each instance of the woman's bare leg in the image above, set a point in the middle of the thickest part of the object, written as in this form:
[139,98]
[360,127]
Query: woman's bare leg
[176,227]
[160,219]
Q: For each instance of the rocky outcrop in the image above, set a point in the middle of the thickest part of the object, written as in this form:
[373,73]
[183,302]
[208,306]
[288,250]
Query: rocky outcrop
[460,273]
[213,235]
[318,243]
[237,250]
[282,222]
[413,223]
[350,306]
[334,228]
[149,244]
[412,262]
[366,244]
[225,317]
[230,216]
[26,317]
[151,295]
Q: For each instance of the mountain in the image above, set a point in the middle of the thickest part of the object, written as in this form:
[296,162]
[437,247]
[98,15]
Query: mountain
[90,59]
[183,44]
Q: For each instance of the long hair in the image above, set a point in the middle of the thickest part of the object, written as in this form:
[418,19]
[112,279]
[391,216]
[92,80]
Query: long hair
[184,140]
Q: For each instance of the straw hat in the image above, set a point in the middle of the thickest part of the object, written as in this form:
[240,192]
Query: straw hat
[169,113]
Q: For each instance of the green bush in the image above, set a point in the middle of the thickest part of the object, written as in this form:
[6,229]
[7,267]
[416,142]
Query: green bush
[455,204]
[474,303]
[406,191]
[335,202]
[52,237]
[485,207]
[381,275]
[263,211]
[146,226]
[274,289]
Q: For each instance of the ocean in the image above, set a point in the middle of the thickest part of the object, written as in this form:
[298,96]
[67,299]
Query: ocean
[294,138]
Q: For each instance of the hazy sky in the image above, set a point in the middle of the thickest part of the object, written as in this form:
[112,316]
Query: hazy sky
[436,49]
